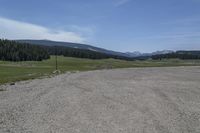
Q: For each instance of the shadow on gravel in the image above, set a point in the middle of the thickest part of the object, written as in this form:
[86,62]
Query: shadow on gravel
[1,89]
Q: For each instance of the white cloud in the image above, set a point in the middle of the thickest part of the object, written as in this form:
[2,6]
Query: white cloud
[121,2]
[87,30]
[11,29]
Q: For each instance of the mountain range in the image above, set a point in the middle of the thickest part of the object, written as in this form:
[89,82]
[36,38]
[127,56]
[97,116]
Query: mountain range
[139,54]
[92,48]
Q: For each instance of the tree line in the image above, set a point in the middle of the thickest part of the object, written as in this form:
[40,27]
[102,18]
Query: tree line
[15,51]
[184,55]
[81,53]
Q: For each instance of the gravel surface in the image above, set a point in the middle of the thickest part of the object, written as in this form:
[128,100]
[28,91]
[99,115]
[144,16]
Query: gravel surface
[138,100]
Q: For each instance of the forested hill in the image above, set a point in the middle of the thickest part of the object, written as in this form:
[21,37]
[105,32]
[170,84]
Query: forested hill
[74,45]
[16,51]
[179,54]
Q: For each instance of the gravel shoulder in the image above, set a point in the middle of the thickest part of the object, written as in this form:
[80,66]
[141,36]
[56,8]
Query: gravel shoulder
[135,100]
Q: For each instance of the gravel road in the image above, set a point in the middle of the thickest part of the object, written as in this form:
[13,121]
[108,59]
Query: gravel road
[138,100]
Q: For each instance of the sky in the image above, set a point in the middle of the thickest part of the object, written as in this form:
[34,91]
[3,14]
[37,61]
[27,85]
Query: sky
[120,25]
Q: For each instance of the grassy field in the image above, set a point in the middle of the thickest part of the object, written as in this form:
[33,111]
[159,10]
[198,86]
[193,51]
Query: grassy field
[16,71]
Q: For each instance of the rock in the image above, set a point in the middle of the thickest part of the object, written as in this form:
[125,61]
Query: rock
[12,83]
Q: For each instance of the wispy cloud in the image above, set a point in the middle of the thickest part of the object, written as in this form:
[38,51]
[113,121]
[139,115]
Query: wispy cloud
[12,29]
[121,2]
[183,21]
[184,35]
[87,30]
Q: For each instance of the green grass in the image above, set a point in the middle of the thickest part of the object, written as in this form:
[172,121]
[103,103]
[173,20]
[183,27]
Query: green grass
[16,71]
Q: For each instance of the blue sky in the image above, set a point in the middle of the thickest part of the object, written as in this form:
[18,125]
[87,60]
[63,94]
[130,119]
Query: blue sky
[121,25]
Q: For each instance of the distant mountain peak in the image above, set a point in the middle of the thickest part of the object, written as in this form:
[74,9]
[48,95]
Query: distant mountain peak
[134,54]
[162,52]
[138,54]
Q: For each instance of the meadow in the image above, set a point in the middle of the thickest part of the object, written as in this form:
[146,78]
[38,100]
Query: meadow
[17,71]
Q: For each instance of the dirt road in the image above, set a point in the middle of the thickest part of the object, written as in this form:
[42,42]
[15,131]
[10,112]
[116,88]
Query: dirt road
[140,100]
